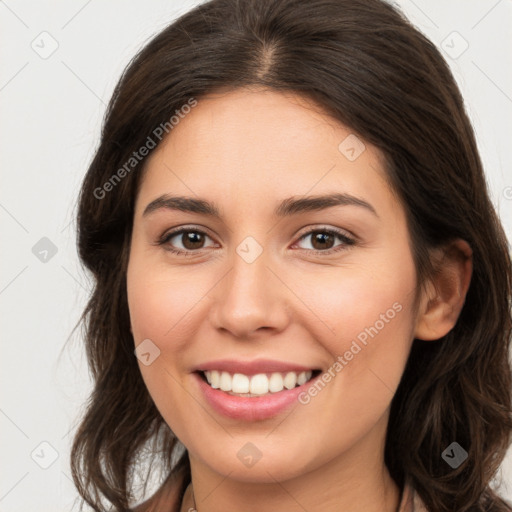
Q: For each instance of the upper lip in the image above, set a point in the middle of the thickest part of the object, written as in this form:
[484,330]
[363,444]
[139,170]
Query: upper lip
[252,367]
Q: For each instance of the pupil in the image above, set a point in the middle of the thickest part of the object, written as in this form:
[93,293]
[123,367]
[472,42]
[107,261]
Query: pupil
[322,238]
[192,240]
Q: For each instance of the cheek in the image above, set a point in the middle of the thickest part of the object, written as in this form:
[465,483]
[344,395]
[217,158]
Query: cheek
[369,313]
[372,319]
[161,304]
[350,302]
[160,310]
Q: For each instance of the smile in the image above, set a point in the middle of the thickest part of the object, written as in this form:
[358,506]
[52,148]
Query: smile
[239,384]
[252,390]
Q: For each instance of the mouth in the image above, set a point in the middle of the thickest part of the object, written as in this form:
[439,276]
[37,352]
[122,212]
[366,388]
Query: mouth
[254,390]
[257,385]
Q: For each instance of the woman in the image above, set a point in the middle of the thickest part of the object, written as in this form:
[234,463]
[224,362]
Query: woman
[287,220]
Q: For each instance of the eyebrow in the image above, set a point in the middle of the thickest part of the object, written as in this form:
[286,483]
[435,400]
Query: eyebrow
[288,207]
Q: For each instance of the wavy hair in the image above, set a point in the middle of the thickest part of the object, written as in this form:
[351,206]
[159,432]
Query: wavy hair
[364,64]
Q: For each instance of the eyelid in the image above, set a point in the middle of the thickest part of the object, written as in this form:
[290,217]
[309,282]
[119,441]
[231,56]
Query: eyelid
[312,228]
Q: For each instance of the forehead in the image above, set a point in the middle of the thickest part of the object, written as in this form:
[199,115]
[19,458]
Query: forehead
[265,144]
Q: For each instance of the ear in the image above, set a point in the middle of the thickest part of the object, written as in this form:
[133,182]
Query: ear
[444,294]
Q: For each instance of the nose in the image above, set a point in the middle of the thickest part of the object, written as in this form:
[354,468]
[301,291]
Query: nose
[249,300]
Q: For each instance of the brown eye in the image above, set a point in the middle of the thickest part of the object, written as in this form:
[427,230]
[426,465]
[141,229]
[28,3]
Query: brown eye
[185,241]
[192,239]
[322,240]
[325,240]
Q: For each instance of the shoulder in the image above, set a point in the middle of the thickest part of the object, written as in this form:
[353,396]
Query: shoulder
[411,501]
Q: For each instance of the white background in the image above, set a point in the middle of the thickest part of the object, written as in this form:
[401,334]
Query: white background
[51,117]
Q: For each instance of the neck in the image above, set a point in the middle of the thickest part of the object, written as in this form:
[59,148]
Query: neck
[356,481]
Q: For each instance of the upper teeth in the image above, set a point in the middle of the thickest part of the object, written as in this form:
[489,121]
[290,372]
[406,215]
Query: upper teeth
[258,384]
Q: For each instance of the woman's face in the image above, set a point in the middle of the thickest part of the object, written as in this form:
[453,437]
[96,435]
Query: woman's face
[295,263]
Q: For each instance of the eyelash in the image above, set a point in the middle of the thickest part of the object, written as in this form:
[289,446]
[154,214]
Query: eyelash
[347,241]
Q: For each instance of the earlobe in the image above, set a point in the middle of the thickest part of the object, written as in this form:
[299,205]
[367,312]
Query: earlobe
[444,294]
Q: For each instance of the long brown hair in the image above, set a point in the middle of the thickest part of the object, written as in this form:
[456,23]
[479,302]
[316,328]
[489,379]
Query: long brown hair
[368,67]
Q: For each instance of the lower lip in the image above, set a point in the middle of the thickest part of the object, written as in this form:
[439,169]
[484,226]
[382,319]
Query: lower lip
[247,408]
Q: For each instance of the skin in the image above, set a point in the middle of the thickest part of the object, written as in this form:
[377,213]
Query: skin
[245,151]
